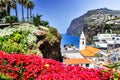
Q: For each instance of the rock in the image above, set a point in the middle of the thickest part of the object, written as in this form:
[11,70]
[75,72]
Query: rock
[92,21]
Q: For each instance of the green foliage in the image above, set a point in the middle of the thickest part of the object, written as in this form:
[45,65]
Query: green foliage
[22,39]
[108,27]
[116,79]
[36,20]
[16,43]
[3,77]
[44,23]
[117,31]
[113,65]
[2,14]
[116,75]
[54,32]
[72,45]
[52,35]
[98,55]
[49,37]
[106,71]
[10,19]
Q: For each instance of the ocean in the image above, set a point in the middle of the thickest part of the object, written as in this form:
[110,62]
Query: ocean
[69,39]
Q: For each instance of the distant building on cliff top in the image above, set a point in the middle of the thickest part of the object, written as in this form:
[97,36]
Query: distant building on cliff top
[107,41]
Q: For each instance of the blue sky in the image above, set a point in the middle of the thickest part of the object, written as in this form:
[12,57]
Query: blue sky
[60,13]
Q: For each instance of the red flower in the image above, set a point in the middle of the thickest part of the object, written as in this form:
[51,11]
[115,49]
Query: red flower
[26,67]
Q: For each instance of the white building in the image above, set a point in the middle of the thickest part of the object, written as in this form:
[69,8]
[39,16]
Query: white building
[103,40]
[104,36]
[82,41]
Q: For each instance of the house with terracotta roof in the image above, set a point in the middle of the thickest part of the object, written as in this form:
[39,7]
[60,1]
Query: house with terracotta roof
[99,57]
[80,61]
[91,53]
[90,56]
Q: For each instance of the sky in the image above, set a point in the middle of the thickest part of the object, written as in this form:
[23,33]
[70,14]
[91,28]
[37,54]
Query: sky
[60,13]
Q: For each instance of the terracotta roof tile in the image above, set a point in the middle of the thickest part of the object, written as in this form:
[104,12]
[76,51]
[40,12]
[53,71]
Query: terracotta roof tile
[92,49]
[89,51]
[77,61]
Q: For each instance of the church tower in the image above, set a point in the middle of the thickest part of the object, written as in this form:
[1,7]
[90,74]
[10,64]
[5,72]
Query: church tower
[82,41]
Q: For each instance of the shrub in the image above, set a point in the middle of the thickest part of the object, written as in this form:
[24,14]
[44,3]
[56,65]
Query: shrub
[10,19]
[4,77]
[32,67]
[54,32]
[18,42]
[36,20]
[116,75]
[44,23]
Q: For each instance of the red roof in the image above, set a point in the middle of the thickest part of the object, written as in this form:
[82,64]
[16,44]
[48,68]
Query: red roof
[89,51]
[77,61]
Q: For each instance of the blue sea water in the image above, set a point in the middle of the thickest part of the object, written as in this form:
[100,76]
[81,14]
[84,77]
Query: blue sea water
[69,39]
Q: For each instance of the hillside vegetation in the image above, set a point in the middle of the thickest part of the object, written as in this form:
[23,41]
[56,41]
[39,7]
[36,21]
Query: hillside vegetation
[96,21]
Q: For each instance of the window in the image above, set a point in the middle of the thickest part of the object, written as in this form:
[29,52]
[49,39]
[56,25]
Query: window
[83,43]
[87,65]
[104,41]
[113,38]
[117,38]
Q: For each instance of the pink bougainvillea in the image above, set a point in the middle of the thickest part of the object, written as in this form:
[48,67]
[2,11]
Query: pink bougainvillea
[32,67]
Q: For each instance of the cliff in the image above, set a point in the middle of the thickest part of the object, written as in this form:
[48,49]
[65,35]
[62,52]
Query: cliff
[49,44]
[95,21]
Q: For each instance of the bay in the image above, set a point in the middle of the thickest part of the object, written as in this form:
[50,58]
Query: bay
[69,39]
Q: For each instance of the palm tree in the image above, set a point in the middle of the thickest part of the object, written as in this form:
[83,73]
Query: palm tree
[31,6]
[23,3]
[28,4]
[5,6]
[0,5]
[14,6]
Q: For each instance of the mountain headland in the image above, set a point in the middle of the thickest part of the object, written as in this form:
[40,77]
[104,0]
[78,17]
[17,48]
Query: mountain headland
[96,21]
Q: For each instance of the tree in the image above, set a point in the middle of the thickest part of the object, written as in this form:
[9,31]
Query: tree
[14,6]
[2,10]
[31,6]
[36,20]
[23,3]
[5,7]
[1,3]
[28,4]
[108,27]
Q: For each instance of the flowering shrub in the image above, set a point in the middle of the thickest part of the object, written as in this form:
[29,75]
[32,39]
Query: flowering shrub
[4,77]
[32,67]
[18,40]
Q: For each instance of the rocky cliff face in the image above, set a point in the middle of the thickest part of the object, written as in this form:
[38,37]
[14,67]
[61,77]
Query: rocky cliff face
[49,44]
[93,22]
[49,50]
